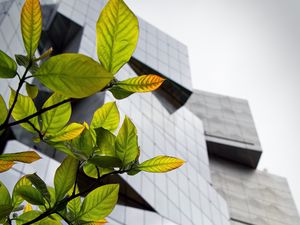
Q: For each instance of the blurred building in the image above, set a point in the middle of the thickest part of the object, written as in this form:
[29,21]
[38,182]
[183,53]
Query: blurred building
[190,195]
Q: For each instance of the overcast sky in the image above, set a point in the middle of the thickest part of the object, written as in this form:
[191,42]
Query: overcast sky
[248,49]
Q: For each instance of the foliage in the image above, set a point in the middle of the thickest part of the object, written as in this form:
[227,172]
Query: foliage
[97,149]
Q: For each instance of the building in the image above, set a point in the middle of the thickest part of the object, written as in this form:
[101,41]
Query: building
[186,196]
[253,197]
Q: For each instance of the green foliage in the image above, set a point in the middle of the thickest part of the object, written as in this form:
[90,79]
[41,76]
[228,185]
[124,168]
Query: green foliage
[73,75]
[107,117]
[55,119]
[32,90]
[65,177]
[23,108]
[98,149]
[8,67]
[31,195]
[126,143]
[117,35]
[99,203]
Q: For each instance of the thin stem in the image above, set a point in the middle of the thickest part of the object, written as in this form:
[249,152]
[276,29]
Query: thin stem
[26,119]
[16,97]
[64,218]
[37,130]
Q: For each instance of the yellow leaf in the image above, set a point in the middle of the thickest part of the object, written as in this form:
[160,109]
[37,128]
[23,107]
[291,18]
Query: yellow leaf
[69,132]
[26,157]
[99,222]
[27,208]
[161,164]
[5,165]
[142,83]
[31,25]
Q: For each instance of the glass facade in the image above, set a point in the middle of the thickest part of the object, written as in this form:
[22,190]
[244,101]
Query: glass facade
[184,196]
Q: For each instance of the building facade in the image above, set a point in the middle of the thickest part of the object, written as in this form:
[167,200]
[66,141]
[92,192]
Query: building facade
[254,197]
[189,195]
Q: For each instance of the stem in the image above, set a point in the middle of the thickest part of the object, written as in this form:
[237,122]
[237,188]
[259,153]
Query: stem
[37,130]
[64,201]
[26,119]
[22,80]
[64,218]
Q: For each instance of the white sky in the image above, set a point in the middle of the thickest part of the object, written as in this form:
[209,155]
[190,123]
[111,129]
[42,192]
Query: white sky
[248,49]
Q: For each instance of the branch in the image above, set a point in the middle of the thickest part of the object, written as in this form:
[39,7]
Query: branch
[64,218]
[22,80]
[26,119]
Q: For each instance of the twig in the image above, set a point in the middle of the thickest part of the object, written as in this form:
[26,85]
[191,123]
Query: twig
[37,130]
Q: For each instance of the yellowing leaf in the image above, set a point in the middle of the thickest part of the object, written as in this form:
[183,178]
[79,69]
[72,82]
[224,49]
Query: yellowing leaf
[23,108]
[100,222]
[32,90]
[142,83]
[126,143]
[117,35]
[16,199]
[27,208]
[161,164]
[8,67]
[107,117]
[55,119]
[26,157]
[5,165]
[69,132]
[31,25]
[73,75]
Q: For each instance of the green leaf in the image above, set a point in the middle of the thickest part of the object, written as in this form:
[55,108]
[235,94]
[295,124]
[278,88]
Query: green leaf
[117,34]
[25,157]
[84,143]
[23,60]
[40,185]
[17,200]
[99,203]
[31,25]
[120,93]
[23,108]
[8,67]
[144,83]
[107,116]
[32,90]
[3,110]
[5,210]
[91,170]
[74,204]
[126,143]
[105,161]
[105,142]
[73,75]
[161,164]
[65,177]
[69,132]
[5,165]
[55,119]
[31,195]
[28,216]
[5,198]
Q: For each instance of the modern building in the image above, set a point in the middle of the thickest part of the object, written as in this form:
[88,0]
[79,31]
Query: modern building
[254,197]
[186,196]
